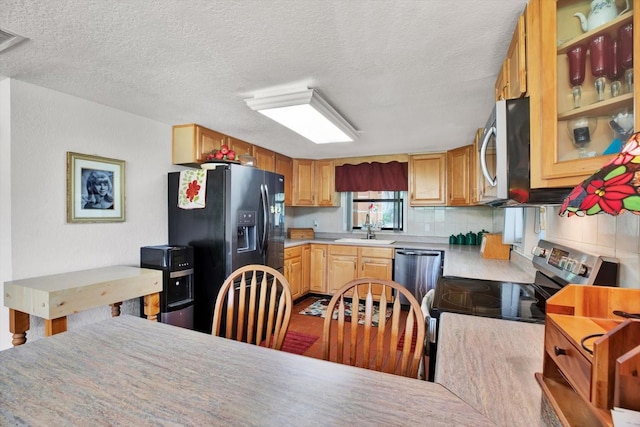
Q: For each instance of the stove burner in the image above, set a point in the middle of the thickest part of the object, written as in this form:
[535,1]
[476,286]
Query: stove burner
[485,301]
[459,300]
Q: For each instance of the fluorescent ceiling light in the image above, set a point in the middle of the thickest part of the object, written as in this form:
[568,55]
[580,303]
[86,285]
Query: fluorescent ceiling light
[306,113]
[8,39]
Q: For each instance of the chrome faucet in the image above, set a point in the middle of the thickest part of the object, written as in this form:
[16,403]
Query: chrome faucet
[367,223]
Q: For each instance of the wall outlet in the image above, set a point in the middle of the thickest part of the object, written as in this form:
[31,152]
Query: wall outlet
[315,224]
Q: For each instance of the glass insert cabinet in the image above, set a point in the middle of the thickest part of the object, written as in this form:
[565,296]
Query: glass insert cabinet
[581,84]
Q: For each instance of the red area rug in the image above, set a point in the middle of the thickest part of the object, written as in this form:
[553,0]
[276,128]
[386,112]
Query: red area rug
[297,342]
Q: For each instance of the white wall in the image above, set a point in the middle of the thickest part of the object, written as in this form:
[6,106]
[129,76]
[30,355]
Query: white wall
[44,126]
[5,205]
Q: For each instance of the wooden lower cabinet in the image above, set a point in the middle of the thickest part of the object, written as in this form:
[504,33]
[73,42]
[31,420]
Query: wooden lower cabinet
[293,270]
[318,268]
[377,263]
[306,269]
[343,266]
[347,263]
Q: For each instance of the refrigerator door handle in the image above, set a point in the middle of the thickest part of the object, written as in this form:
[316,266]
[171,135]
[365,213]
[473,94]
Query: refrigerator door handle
[265,216]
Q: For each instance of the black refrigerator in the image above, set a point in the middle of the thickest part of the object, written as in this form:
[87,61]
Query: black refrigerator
[242,223]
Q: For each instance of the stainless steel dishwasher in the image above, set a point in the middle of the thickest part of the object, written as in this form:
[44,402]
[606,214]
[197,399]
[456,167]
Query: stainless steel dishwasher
[418,270]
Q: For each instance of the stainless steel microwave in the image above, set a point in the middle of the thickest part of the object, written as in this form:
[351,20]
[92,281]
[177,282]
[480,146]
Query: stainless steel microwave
[504,159]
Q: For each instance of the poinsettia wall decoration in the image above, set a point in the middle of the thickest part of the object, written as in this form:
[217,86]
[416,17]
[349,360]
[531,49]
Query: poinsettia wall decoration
[613,189]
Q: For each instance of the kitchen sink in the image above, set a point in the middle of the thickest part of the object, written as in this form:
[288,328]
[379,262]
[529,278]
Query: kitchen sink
[365,241]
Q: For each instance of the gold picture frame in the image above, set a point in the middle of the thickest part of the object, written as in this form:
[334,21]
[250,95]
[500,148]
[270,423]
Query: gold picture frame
[95,189]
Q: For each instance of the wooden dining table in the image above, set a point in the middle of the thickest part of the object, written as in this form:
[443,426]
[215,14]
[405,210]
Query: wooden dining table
[129,371]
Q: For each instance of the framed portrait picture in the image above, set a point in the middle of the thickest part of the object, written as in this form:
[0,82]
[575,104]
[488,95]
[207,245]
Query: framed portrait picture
[95,188]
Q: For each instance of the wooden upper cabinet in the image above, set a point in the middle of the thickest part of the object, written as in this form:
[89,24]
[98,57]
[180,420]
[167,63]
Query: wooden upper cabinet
[313,183]
[326,184]
[501,87]
[304,172]
[474,169]
[511,82]
[191,143]
[240,147]
[427,179]
[459,176]
[552,31]
[517,61]
[266,159]
[284,166]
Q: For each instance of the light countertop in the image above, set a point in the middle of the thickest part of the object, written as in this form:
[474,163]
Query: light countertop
[459,260]
[490,364]
[130,371]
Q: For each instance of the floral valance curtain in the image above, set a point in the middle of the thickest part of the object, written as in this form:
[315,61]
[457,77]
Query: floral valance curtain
[374,176]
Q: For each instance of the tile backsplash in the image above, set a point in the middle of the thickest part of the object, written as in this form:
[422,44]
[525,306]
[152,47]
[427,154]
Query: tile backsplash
[429,221]
[602,234]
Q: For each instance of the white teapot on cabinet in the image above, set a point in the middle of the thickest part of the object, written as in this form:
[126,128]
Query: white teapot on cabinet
[602,11]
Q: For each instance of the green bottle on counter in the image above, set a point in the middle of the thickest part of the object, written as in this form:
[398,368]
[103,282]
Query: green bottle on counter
[471,238]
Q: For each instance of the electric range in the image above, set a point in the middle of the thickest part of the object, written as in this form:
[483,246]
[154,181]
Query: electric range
[556,266]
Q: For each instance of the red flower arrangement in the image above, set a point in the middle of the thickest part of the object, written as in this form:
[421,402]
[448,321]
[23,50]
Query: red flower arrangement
[613,189]
[224,153]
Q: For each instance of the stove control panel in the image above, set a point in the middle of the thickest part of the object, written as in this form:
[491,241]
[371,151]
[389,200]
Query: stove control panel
[538,251]
[570,265]
[575,267]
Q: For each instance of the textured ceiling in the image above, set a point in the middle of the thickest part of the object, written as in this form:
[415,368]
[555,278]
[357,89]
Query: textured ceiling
[410,75]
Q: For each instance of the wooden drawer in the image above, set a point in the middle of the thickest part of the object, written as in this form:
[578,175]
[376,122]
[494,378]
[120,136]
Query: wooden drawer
[343,250]
[376,252]
[573,365]
[301,233]
[296,251]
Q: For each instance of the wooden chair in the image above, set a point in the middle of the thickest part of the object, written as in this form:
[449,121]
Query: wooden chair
[367,346]
[253,305]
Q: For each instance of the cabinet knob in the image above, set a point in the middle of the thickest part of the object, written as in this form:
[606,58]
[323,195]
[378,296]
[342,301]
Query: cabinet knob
[559,351]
